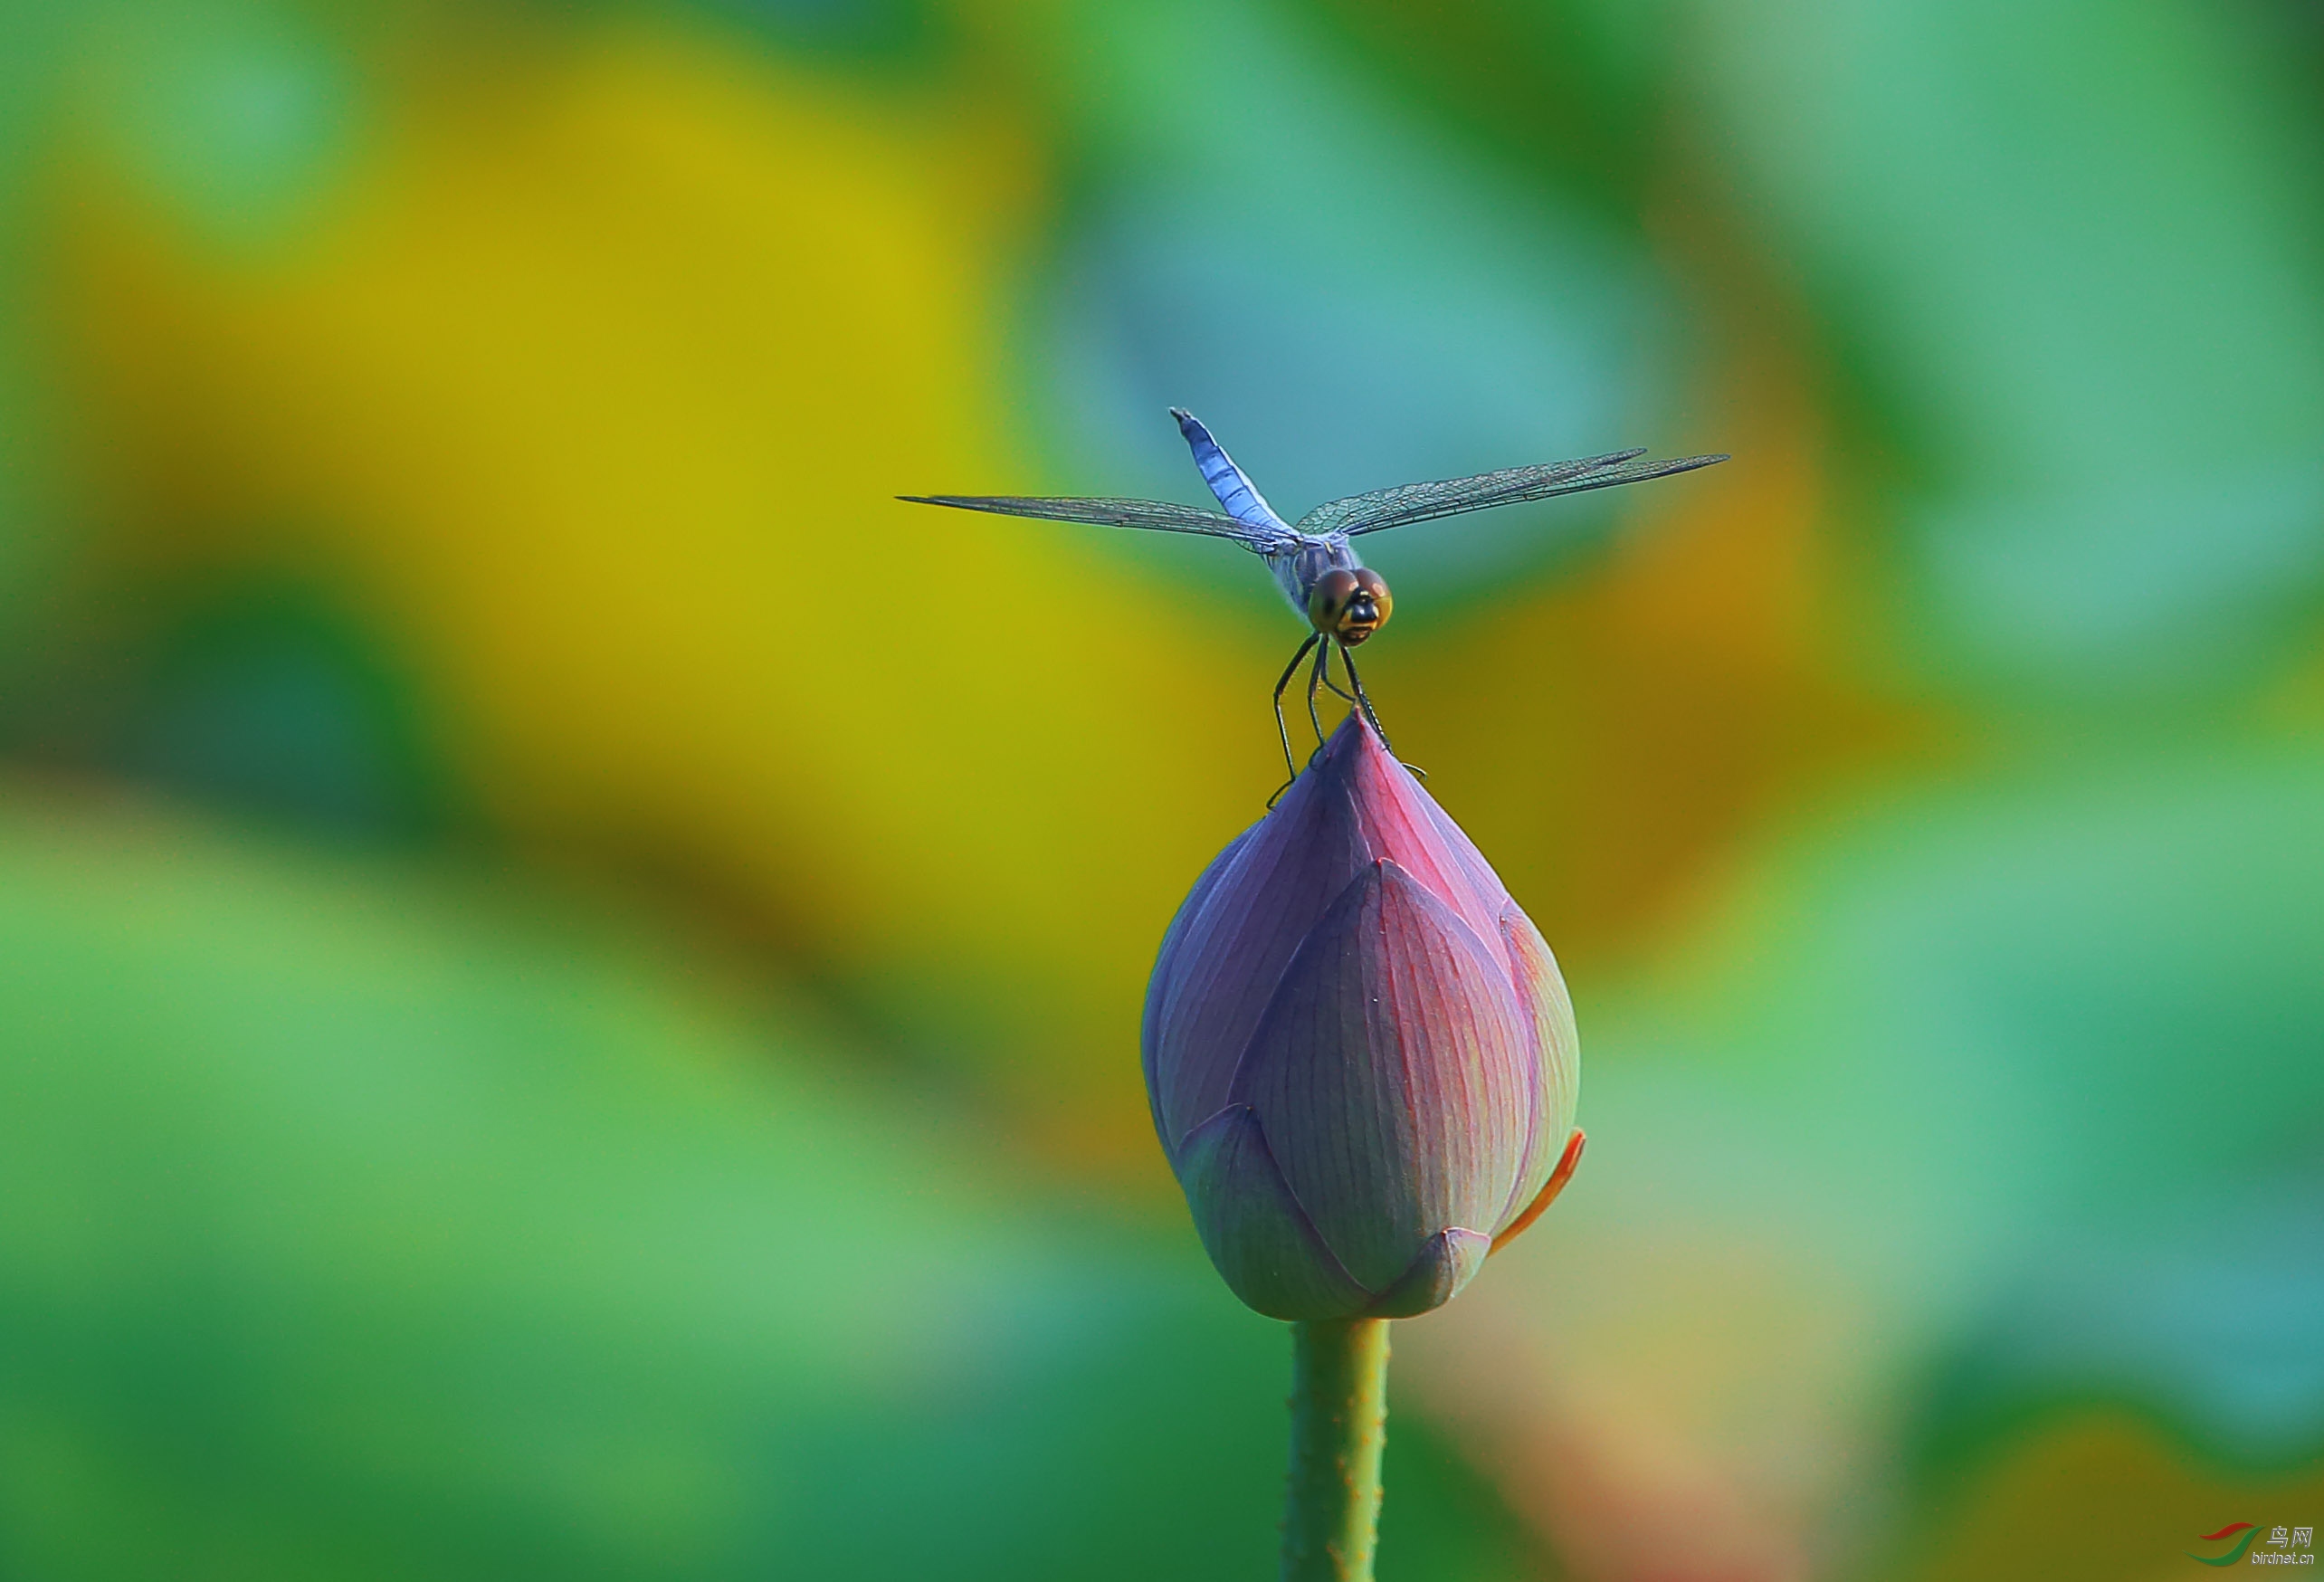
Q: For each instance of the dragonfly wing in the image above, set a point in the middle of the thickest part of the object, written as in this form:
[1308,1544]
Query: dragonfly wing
[1421,503]
[1160,516]
[1237,495]
[1415,502]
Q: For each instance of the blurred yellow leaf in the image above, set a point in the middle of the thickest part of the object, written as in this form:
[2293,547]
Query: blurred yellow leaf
[596,392]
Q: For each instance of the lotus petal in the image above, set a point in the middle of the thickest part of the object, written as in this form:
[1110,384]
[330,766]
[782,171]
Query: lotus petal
[1392,1075]
[1402,822]
[1170,963]
[1254,1230]
[1227,951]
[1557,1059]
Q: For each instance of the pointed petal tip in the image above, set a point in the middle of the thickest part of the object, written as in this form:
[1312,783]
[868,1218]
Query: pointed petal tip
[1354,742]
[1405,822]
[1447,1261]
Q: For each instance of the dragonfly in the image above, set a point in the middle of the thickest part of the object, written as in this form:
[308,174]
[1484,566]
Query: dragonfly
[1313,560]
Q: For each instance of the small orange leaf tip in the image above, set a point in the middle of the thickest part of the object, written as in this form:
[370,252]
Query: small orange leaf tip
[1566,1164]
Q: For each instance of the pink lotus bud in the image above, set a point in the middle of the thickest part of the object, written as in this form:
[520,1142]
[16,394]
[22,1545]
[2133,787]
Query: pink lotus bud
[1359,1053]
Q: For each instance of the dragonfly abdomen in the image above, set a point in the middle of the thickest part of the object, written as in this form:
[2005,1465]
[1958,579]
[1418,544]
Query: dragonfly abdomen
[1236,494]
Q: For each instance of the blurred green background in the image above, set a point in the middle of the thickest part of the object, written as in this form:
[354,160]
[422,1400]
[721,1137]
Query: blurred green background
[568,969]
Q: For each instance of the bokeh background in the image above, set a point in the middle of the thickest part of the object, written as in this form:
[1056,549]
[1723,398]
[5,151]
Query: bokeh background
[568,968]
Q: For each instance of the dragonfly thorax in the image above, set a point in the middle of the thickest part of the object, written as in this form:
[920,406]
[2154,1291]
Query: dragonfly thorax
[1304,561]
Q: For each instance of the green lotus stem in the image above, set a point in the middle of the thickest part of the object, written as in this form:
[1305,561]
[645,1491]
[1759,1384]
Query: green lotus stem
[1339,1422]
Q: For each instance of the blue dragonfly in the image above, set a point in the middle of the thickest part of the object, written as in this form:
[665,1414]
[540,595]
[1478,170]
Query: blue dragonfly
[1314,560]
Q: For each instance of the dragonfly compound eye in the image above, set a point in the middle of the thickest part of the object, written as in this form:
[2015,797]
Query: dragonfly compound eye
[1349,606]
[1328,599]
[1363,611]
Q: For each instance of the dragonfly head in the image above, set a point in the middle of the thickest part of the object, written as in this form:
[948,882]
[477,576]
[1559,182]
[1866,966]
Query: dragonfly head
[1349,606]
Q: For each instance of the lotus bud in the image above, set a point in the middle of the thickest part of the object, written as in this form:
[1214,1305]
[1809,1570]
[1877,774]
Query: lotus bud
[1359,1053]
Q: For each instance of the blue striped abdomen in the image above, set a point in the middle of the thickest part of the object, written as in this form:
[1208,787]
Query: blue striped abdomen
[1236,495]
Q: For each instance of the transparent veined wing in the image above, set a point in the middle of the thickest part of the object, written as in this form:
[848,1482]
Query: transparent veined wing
[1415,502]
[1159,516]
[1420,502]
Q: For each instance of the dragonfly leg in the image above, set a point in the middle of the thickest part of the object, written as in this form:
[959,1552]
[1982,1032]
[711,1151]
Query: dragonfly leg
[1284,731]
[1315,679]
[1364,702]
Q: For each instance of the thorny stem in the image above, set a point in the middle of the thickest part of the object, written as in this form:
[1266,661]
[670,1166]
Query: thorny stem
[1339,1421]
